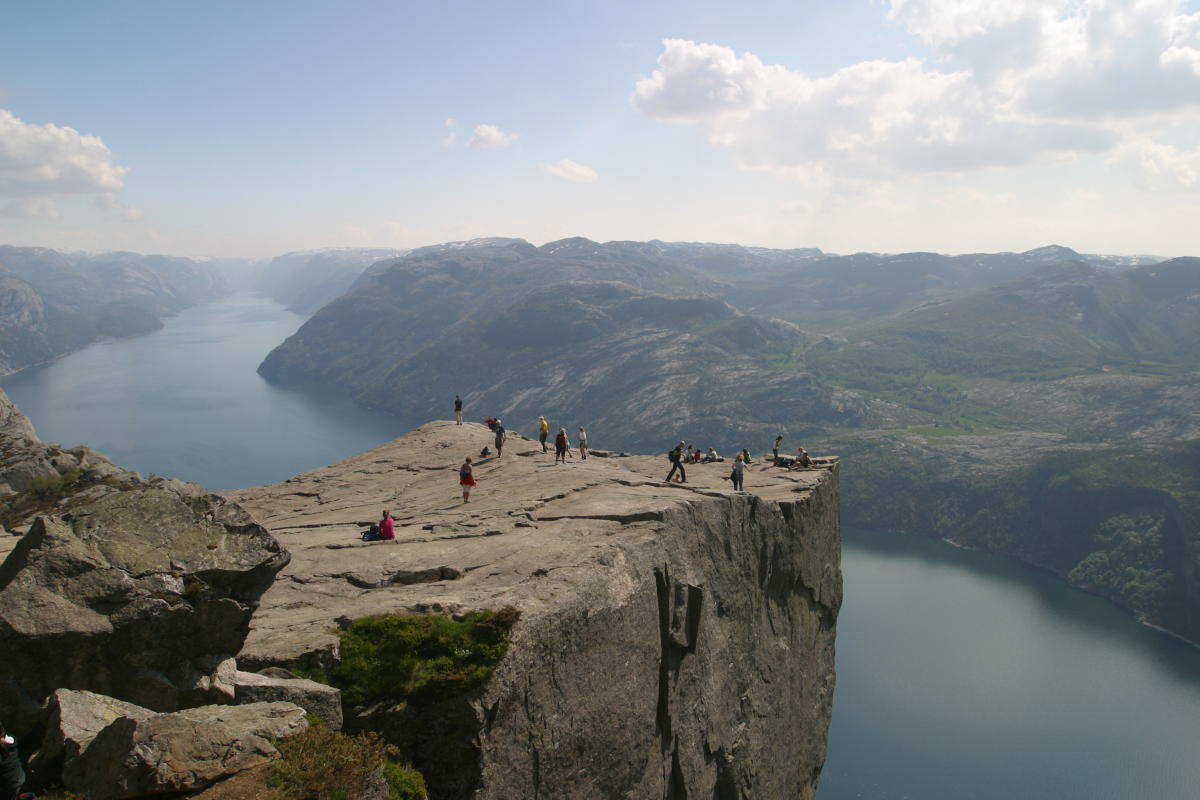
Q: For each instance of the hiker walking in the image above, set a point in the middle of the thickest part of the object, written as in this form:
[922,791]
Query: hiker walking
[738,474]
[501,436]
[560,446]
[583,445]
[676,459]
[466,479]
[543,431]
[457,410]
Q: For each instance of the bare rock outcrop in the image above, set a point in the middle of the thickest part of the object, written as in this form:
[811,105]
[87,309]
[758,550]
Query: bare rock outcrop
[145,755]
[143,595]
[12,421]
[317,699]
[674,640]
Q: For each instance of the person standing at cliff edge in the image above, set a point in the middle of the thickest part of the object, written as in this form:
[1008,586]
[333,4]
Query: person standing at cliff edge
[457,410]
[739,473]
[775,449]
[501,435]
[583,445]
[466,479]
[543,431]
[676,459]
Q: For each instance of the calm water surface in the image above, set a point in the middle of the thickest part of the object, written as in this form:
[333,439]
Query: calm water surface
[186,401]
[961,676]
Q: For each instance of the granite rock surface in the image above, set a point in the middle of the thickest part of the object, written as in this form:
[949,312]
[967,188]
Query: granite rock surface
[676,640]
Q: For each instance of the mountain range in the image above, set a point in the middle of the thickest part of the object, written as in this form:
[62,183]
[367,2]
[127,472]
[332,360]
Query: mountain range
[53,302]
[964,392]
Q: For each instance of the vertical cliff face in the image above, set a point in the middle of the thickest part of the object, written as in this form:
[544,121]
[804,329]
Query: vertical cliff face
[675,641]
[697,662]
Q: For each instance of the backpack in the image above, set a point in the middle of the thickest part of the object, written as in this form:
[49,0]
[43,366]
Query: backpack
[372,535]
[464,473]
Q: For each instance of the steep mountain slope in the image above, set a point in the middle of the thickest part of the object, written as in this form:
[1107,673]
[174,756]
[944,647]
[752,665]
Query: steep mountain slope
[614,341]
[305,281]
[52,303]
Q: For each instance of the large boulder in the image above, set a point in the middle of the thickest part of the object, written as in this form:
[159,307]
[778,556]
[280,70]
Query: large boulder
[75,719]
[142,595]
[315,698]
[182,751]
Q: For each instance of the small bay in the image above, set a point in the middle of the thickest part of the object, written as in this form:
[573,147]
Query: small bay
[961,675]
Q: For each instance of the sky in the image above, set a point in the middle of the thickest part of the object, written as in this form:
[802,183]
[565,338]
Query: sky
[251,129]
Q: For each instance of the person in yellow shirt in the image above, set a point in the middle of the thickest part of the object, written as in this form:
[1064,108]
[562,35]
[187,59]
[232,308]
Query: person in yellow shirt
[543,431]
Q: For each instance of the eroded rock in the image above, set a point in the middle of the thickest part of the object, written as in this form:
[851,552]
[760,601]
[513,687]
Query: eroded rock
[166,753]
[141,595]
[315,698]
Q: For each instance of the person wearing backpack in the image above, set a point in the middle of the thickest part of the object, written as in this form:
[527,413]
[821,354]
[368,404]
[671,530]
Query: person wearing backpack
[738,474]
[466,479]
[676,459]
[501,435]
[560,446]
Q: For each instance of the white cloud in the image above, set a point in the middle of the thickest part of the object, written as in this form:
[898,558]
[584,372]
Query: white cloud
[451,133]
[1020,82]
[40,163]
[572,171]
[490,136]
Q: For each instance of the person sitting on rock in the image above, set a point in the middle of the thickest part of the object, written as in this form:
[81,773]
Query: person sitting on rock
[697,455]
[387,527]
[746,455]
[803,460]
[687,458]
[712,456]
[466,479]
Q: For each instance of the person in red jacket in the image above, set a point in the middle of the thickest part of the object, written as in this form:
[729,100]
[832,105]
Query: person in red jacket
[387,527]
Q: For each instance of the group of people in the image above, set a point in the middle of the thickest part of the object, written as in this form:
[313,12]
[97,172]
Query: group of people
[694,455]
[562,444]
[802,460]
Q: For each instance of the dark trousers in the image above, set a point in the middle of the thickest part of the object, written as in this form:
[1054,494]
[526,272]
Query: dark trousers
[677,465]
[737,482]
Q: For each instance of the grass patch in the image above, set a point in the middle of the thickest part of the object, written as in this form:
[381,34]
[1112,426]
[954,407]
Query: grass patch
[321,764]
[419,657]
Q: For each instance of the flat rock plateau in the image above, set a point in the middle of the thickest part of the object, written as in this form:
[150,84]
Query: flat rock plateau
[675,640]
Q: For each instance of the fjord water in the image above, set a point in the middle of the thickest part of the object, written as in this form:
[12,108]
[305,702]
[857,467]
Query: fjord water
[186,402]
[961,676]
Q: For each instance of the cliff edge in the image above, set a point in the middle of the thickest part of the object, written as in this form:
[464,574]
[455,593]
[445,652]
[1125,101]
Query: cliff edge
[675,640]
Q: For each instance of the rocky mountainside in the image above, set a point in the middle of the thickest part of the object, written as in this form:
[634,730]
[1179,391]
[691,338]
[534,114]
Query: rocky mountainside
[305,281]
[52,303]
[973,371]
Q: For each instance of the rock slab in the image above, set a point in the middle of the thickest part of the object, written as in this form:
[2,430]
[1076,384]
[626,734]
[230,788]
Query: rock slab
[143,595]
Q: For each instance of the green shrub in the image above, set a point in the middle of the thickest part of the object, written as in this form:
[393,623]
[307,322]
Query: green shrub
[419,656]
[321,764]
[404,782]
